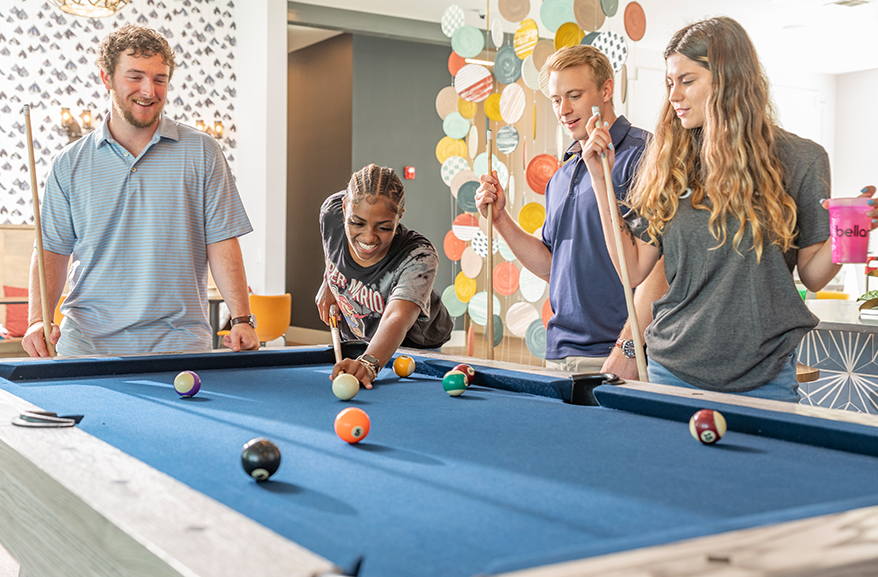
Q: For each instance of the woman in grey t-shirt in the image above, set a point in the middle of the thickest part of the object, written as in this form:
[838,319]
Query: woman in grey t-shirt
[733,203]
[379,273]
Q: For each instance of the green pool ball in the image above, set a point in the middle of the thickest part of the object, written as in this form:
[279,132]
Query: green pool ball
[454,383]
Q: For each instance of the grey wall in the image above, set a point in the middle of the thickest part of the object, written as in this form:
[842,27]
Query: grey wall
[319,163]
[395,124]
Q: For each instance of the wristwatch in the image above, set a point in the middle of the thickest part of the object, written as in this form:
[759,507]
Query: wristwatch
[249,319]
[370,363]
[627,346]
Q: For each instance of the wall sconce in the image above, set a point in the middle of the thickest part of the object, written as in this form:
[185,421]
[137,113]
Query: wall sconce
[72,128]
[215,130]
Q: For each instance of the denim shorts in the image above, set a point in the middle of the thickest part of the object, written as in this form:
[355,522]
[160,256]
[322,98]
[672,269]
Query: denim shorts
[783,387]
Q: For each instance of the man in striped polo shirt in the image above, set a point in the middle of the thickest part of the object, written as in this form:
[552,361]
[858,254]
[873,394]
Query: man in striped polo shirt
[143,205]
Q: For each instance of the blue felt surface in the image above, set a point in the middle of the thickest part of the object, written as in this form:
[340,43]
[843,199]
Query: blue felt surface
[491,480]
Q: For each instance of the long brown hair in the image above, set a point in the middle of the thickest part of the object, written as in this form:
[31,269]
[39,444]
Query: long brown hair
[733,158]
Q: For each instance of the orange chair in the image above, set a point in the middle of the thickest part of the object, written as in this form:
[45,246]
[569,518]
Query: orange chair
[58,314]
[272,314]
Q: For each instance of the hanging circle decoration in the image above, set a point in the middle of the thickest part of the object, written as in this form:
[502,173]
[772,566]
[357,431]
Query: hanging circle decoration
[480,166]
[492,107]
[455,306]
[452,20]
[505,278]
[464,287]
[453,246]
[614,46]
[554,13]
[497,32]
[588,14]
[519,317]
[623,83]
[548,313]
[529,73]
[588,39]
[466,196]
[504,250]
[478,307]
[525,38]
[465,108]
[610,7]
[448,147]
[468,41]
[465,175]
[535,339]
[512,102]
[507,65]
[498,330]
[514,10]
[451,167]
[470,263]
[480,244]
[472,141]
[455,126]
[531,286]
[473,82]
[543,49]
[446,101]
[568,34]
[540,170]
[455,62]
[635,21]
[507,139]
[544,80]
[532,216]
[465,226]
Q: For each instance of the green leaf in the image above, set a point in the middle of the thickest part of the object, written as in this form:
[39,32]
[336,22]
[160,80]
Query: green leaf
[869,296]
[869,304]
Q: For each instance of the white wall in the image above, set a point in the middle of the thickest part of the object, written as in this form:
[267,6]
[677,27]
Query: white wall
[856,119]
[261,119]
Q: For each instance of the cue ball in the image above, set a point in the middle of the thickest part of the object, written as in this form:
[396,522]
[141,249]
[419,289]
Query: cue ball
[466,370]
[707,426]
[454,383]
[352,425]
[345,386]
[404,366]
[260,458]
[187,384]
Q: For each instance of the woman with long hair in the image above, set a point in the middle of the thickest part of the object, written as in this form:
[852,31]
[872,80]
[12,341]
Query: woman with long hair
[733,202]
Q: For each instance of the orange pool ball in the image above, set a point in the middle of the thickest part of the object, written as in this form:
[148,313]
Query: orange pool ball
[404,366]
[352,425]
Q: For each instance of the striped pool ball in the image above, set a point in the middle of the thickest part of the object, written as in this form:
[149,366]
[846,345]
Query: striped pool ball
[187,384]
[404,365]
[707,426]
[466,370]
[454,383]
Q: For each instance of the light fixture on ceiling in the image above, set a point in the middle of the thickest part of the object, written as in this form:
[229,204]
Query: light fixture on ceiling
[91,8]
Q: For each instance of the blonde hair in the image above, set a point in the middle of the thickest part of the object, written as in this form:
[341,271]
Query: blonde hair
[733,158]
[373,182]
[597,62]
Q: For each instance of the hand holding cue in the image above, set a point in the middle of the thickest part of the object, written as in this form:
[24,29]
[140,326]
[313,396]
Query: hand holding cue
[41,263]
[336,339]
[490,288]
[623,264]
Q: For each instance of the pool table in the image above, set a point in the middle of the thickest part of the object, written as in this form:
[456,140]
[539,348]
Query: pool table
[515,477]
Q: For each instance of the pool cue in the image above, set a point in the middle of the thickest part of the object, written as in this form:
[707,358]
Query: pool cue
[623,266]
[336,339]
[41,263]
[490,288]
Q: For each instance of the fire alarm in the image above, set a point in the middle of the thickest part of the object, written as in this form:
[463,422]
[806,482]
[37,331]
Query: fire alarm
[409,173]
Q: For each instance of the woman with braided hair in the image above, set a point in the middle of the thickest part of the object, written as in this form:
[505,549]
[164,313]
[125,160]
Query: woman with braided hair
[378,274]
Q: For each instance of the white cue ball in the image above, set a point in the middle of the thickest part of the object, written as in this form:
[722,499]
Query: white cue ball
[345,386]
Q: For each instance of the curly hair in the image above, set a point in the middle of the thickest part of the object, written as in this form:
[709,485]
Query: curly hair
[138,41]
[372,182]
[733,158]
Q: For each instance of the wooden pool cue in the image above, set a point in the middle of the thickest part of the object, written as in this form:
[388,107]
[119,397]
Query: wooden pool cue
[489,327]
[41,263]
[336,339]
[623,265]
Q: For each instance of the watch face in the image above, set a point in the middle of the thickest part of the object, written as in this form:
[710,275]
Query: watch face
[628,349]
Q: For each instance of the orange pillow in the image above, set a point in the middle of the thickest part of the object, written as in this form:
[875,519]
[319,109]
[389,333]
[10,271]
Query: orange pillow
[16,315]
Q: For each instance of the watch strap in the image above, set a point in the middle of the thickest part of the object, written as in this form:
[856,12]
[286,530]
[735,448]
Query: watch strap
[249,319]
[370,363]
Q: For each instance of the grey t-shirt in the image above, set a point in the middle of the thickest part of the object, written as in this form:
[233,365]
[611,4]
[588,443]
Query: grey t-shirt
[406,272]
[727,323]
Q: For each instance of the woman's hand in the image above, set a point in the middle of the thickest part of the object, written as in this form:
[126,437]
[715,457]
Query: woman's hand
[355,368]
[324,300]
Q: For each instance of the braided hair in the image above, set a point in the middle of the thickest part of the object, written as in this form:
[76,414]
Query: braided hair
[373,182]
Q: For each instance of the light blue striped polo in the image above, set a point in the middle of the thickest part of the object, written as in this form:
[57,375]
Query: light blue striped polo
[138,230]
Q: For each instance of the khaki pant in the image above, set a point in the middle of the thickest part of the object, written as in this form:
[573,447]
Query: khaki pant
[577,364]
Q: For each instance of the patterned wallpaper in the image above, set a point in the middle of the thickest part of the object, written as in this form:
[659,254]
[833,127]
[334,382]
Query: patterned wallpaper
[47,60]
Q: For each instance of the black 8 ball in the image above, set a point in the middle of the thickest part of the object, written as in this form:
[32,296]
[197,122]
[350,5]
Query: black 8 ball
[260,458]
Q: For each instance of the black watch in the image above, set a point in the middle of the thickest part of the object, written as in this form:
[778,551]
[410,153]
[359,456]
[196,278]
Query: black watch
[627,346]
[249,319]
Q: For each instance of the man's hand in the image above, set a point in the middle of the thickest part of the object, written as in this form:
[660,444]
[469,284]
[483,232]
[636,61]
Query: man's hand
[35,344]
[490,192]
[242,338]
[620,365]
